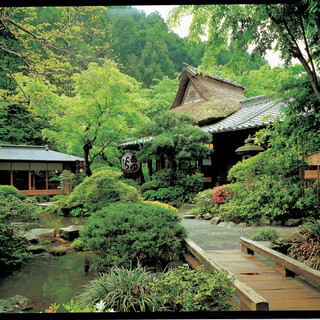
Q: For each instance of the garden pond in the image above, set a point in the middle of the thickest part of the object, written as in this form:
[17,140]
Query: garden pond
[46,279]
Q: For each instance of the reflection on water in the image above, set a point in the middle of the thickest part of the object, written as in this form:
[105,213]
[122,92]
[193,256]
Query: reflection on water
[46,279]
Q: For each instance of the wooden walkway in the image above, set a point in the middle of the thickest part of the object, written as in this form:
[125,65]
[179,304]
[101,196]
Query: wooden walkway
[282,293]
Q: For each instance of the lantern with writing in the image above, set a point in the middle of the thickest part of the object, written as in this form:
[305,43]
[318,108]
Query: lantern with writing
[130,163]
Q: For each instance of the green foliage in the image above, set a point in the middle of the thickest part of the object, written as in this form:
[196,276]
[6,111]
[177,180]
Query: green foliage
[18,125]
[14,208]
[94,193]
[132,232]
[183,289]
[160,96]
[204,202]
[8,191]
[138,290]
[12,249]
[268,184]
[305,245]
[104,110]
[170,185]
[285,24]
[67,181]
[265,234]
[174,137]
[124,290]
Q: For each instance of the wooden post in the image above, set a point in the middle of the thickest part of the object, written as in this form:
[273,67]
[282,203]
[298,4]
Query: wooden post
[47,180]
[29,180]
[11,177]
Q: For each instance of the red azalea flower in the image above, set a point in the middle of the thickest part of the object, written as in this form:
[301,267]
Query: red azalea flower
[52,310]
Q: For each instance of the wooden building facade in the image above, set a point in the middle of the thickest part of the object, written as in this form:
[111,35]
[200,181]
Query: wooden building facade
[33,169]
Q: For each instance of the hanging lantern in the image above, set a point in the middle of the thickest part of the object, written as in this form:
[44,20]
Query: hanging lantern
[130,163]
[249,149]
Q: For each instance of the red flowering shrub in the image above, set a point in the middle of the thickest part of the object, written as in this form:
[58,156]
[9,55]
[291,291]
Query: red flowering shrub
[221,195]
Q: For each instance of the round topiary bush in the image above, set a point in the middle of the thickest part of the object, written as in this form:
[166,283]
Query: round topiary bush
[126,233]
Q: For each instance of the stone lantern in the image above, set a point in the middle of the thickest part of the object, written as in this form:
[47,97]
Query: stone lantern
[249,149]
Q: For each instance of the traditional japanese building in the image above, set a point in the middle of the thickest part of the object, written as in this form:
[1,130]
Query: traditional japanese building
[219,108]
[208,98]
[34,169]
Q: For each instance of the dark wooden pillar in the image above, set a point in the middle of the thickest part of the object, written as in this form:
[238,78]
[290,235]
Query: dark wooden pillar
[30,180]
[11,178]
[47,180]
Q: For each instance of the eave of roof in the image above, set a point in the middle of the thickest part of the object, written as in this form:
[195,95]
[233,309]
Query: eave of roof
[255,112]
[34,153]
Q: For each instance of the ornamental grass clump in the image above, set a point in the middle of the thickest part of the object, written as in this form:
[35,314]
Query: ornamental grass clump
[306,244]
[126,233]
[121,289]
[265,234]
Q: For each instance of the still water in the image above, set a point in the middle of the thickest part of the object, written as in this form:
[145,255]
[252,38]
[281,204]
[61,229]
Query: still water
[47,279]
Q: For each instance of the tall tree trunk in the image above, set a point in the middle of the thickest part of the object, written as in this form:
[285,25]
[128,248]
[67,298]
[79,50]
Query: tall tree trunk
[86,148]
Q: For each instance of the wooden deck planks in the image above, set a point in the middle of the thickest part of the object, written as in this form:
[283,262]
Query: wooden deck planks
[282,293]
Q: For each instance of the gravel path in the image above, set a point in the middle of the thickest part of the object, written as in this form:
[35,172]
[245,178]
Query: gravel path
[215,237]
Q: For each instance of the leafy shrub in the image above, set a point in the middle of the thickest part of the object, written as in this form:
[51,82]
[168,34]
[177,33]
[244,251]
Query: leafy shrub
[12,249]
[124,290]
[170,185]
[94,193]
[67,181]
[306,244]
[163,205]
[268,186]
[265,234]
[204,202]
[193,290]
[126,233]
[8,191]
[12,208]
[178,289]
[42,197]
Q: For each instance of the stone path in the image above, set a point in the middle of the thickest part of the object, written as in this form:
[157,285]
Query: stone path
[215,237]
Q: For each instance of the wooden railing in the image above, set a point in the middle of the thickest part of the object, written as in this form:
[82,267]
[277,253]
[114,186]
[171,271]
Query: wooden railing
[51,192]
[249,299]
[286,266]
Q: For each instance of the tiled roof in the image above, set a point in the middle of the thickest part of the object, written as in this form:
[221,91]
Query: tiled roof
[255,112]
[34,153]
[136,142]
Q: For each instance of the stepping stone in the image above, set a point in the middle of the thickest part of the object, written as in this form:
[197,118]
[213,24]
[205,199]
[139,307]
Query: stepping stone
[70,233]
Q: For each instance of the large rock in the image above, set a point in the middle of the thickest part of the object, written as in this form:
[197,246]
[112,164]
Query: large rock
[264,221]
[70,233]
[292,222]
[36,249]
[14,303]
[24,226]
[215,220]
[33,235]
[58,251]
[207,216]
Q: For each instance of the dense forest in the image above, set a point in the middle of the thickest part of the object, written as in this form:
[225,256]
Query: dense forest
[46,49]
